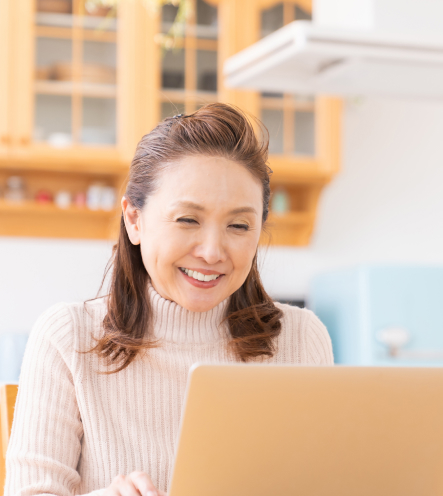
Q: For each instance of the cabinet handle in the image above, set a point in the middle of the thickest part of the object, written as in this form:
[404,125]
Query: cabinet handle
[25,140]
[5,139]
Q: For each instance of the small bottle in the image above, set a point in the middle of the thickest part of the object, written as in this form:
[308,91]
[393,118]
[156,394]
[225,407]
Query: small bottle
[280,202]
[80,199]
[15,189]
[94,196]
[63,199]
[108,198]
[43,197]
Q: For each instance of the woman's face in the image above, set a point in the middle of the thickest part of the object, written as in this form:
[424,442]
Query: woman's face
[203,222]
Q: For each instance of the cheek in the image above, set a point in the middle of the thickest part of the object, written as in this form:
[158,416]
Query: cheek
[163,245]
[243,252]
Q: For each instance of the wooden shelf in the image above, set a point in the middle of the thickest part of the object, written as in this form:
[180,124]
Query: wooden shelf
[79,159]
[32,207]
[297,170]
[290,229]
[48,87]
[48,220]
[177,95]
[289,219]
[55,31]
[70,20]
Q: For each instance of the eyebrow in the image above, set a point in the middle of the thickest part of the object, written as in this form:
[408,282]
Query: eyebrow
[196,206]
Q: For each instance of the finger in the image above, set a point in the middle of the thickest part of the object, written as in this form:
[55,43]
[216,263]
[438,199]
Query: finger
[112,490]
[143,483]
[117,486]
[126,487]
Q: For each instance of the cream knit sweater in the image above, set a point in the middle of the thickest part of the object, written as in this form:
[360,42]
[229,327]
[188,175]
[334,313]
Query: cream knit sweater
[74,430]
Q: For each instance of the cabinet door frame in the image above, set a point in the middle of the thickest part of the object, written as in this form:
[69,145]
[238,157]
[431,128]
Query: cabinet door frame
[5,78]
[22,49]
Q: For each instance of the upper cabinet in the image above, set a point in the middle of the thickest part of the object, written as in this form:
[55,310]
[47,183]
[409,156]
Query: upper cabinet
[80,87]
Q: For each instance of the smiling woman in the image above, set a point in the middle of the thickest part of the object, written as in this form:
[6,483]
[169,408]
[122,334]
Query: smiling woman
[109,375]
[195,205]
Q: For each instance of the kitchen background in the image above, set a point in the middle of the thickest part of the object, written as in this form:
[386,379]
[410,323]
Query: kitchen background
[378,207]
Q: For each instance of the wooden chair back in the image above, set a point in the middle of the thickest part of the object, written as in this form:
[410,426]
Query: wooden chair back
[8,395]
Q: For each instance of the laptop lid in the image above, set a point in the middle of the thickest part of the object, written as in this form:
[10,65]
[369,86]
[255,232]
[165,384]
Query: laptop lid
[260,430]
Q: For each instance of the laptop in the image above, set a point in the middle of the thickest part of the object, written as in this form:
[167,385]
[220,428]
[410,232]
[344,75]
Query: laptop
[283,430]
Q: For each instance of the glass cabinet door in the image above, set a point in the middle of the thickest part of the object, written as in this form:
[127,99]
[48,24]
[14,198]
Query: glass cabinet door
[189,70]
[289,118]
[75,74]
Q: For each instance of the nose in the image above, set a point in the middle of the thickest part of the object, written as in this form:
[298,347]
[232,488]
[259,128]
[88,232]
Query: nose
[211,247]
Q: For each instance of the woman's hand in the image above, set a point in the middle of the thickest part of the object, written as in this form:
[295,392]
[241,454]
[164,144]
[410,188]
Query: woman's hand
[134,484]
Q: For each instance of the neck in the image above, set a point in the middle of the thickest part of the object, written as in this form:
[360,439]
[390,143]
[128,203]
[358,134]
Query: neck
[177,324]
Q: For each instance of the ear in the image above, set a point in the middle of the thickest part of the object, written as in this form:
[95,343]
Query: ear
[132,220]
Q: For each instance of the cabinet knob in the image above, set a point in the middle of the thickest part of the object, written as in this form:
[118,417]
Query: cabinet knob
[25,140]
[5,140]
[394,338]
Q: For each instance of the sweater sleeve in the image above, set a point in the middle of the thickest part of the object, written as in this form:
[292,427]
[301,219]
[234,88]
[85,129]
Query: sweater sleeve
[45,443]
[319,345]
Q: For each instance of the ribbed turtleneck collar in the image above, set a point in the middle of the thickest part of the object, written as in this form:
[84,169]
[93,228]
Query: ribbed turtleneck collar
[175,323]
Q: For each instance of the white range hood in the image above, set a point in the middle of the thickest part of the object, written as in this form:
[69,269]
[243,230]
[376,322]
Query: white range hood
[383,55]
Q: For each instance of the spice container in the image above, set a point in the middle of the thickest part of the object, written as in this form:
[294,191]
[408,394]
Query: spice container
[63,199]
[94,196]
[15,189]
[80,199]
[280,202]
[43,197]
[108,198]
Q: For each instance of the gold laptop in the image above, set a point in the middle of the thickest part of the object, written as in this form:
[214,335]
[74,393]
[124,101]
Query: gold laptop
[282,430]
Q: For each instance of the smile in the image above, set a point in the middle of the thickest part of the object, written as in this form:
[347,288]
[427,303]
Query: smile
[199,276]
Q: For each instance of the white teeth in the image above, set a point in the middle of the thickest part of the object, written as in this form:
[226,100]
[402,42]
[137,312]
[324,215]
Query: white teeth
[199,276]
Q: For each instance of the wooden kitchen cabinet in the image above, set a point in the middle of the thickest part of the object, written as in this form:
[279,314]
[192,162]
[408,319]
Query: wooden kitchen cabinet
[79,91]
[71,87]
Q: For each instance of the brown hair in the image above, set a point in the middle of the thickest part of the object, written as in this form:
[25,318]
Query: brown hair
[215,129]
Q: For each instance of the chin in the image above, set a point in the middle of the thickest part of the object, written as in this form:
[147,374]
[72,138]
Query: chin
[199,307]
[196,305]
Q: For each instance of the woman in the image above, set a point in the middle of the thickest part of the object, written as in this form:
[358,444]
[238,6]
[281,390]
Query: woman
[102,383]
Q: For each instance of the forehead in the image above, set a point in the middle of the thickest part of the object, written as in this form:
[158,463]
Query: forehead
[210,180]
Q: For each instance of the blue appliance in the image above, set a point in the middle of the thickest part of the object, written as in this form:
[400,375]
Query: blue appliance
[382,315]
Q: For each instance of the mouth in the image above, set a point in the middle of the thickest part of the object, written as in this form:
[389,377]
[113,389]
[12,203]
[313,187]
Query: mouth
[200,280]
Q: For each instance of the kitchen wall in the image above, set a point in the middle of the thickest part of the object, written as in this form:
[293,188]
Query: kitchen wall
[36,273]
[386,205]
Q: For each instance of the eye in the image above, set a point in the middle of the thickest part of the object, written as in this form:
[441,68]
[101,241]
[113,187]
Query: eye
[243,227]
[186,220]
